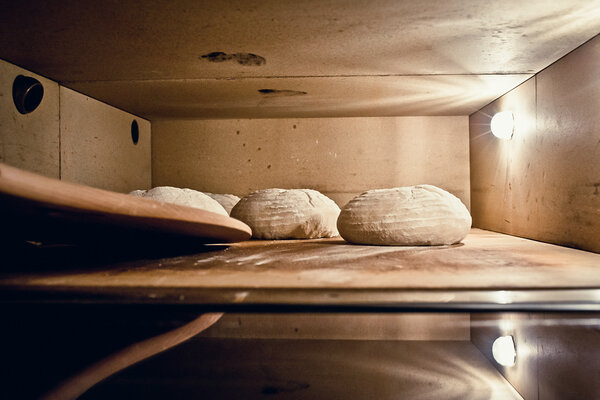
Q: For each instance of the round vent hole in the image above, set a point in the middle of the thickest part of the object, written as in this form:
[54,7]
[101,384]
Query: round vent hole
[27,93]
[135,132]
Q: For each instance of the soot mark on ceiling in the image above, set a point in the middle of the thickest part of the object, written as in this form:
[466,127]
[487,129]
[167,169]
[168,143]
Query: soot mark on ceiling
[246,59]
[281,93]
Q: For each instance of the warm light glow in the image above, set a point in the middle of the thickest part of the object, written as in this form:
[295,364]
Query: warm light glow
[504,351]
[503,125]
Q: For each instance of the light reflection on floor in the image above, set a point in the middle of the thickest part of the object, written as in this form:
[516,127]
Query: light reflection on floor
[312,369]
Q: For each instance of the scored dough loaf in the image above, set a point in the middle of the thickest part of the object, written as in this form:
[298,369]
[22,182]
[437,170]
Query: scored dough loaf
[288,214]
[183,197]
[226,200]
[409,216]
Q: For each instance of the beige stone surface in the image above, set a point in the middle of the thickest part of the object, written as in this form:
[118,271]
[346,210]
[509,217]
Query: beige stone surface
[544,183]
[337,37]
[340,157]
[502,171]
[29,141]
[306,272]
[97,147]
[306,97]
[160,44]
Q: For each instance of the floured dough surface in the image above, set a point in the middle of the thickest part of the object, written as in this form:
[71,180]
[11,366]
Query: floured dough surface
[409,216]
[138,193]
[288,214]
[183,197]
[226,200]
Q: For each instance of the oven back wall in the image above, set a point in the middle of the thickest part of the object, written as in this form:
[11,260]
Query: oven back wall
[340,157]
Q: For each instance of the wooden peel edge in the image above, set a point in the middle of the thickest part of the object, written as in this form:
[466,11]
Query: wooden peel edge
[118,208]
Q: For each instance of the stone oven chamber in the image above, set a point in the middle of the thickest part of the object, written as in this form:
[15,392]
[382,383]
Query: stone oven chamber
[104,295]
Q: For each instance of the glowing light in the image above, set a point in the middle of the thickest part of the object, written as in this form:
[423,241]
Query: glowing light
[504,351]
[503,125]
[503,297]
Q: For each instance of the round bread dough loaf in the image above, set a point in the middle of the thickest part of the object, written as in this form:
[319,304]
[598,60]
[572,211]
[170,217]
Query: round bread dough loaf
[226,200]
[408,216]
[138,193]
[288,214]
[183,197]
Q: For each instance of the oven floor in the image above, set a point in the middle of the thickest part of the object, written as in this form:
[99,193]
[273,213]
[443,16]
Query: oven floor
[217,368]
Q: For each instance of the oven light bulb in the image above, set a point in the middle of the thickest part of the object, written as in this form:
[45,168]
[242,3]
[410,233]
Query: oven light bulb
[503,125]
[504,351]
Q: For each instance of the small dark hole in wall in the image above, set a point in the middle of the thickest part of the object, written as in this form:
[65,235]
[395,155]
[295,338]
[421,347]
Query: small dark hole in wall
[135,132]
[27,93]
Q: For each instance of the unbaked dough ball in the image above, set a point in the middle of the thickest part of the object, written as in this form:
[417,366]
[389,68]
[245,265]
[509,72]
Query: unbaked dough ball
[226,200]
[288,214]
[138,193]
[183,197]
[410,216]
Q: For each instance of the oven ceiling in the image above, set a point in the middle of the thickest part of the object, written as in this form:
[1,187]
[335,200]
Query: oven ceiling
[283,58]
